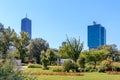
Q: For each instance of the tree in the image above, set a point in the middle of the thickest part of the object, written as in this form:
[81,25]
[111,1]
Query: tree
[73,48]
[44,60]
[6,40]
[52,56]
[20,43]
[96,56]
[113,51]
[62,52]
[36,46]
[9,71]
[82,59]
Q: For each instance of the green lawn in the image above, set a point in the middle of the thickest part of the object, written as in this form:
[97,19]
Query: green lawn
[87,76]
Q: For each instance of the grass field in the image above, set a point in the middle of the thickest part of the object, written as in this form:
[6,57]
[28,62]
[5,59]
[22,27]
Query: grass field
[87,76]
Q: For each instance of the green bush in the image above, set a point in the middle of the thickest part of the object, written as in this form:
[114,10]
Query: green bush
[69,65]
[116,66]
[81,69]
[101,70]
[58,69]
[8,71]
[81,62]
[34,66]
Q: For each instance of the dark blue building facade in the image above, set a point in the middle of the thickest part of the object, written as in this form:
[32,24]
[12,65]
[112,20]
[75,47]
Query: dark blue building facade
[26,26]
[96,36]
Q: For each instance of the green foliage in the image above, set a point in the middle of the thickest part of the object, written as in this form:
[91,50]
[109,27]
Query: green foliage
[112,50]
[57,69]
[74,48]
[62,52]
[7,73]
[52,56]
[20,43]
[107,64]
[71,49]
[44,60]
[6,40]
[96,56]
[34,66]
[8,70]
[82,59]
[35,47]
[69,65]
[116,66]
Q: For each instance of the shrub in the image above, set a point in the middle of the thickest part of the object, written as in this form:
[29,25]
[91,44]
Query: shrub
[81,62]
[34,66]
[69,65]
[81,69]
[101,70]
[58,69]
[75,67]
[8,71]
[44,60]
[116,66]
[106,64]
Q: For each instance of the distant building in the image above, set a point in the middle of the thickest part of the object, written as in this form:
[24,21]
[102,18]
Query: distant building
[96,36]
[26,26]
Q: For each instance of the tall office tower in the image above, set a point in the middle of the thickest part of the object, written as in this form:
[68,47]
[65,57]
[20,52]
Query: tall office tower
[26,26]
[96,36]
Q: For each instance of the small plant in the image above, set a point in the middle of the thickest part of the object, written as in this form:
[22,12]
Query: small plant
[58,69]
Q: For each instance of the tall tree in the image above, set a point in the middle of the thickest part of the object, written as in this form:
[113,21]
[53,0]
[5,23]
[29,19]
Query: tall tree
[20,43]
[113,51]
[36,46]
[96,56]
[74,48]
[71,49]
[6,40]
[62,52]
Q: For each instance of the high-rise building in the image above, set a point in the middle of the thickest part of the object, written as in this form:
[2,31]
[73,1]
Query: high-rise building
[26,26]
[96,36]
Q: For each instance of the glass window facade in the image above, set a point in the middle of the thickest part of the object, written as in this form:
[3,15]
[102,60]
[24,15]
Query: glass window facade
[96,36]
[26,26]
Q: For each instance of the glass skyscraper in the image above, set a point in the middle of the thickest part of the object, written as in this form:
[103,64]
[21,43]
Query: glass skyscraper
[26,26]
[96,36]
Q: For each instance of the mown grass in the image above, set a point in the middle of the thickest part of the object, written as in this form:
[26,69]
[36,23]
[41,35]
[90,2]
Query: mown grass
[87,76]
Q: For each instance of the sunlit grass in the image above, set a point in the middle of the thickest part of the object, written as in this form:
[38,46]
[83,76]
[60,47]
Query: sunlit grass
[87,76]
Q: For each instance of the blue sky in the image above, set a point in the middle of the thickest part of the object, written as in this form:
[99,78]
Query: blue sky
[53,19]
